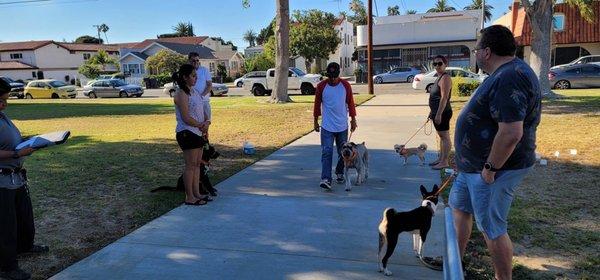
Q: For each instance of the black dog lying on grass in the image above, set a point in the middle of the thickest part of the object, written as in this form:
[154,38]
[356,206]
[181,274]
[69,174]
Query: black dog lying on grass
[206,186]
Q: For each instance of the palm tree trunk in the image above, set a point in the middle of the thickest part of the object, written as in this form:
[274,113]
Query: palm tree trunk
[282,52]
[540,18]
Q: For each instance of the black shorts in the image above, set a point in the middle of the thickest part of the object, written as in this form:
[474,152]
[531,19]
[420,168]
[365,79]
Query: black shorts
[445,123]
[188,140]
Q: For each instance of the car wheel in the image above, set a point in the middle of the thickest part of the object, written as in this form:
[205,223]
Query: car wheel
[307,88]
[258,90]
[20,96]
[28,96]
[171,93]
[55,96]
[410,79]
[212,93]
[428,88]
[562,84]
[123,94]
[378,80]
[92,95]
[240,84]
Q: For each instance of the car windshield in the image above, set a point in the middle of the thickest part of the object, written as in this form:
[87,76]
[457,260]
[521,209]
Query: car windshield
[57,84]
[8,80]
[118,83]
[298,72]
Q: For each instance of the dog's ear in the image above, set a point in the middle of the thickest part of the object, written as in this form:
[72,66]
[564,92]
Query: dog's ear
[435,188]
[363,143]
[423,190]
[353,144]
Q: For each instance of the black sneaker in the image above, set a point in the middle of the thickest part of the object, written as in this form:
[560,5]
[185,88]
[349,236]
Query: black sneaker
[340,179]
[17,274]
[325,184]
[37,249]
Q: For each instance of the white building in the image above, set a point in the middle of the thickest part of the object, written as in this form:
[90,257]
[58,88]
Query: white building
[343,53]
[49,59]
[413,40]
[251,52]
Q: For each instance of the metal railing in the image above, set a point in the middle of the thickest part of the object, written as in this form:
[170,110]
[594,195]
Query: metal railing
[452,260]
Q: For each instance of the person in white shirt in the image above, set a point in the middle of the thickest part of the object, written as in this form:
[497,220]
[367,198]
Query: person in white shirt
[203,84]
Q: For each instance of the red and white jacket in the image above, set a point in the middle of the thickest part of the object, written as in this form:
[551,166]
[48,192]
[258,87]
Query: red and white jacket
[335,103]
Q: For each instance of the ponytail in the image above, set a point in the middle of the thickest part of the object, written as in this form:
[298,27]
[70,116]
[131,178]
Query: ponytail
[179,77]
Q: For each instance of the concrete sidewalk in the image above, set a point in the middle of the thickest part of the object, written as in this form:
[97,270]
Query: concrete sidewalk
[272,221]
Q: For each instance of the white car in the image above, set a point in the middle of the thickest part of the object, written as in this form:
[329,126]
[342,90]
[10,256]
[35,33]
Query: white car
[593,59]
[217,89]
[239,82]
[425,81]
[306,83]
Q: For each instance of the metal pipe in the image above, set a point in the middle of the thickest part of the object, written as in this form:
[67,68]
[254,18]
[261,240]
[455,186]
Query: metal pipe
[452,260]
[370,47]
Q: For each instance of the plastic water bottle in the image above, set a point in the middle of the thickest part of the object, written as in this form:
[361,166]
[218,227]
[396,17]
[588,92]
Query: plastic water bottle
[249,148]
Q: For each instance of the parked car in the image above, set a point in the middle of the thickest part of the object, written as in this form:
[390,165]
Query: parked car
[239,82]
[49,89]
[16,89]
[217,89]
[111,88]
[575,76]
[397,75]
[425,81]
[306,83]
[582,60]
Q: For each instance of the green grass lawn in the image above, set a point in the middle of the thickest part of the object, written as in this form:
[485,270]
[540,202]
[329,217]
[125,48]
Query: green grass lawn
[554,219]
[95,188]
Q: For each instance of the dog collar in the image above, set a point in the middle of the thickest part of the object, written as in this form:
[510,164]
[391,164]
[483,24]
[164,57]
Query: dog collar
[404,151]
[431,208]
[348,161]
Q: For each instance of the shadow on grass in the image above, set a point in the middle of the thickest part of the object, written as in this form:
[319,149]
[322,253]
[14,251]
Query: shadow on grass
[42,111]
[573,104]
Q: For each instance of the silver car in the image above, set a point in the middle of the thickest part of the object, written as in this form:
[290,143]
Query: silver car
[111,88]
[217,89]
[576,76]
[397,75]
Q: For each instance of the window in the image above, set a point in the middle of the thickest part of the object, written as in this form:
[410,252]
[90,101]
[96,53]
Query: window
[211,67]
[290,73]
[125,69]
[134,68]
[559,22]
[272,73]
[142,70]
[16,55]
[590,69]
[34,74]
[86,56]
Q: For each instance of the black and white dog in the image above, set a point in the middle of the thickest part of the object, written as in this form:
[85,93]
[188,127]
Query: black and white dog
[206,186]
[417,221]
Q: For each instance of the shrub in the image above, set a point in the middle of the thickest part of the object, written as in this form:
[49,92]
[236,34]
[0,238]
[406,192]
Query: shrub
[460,87]
[161,79]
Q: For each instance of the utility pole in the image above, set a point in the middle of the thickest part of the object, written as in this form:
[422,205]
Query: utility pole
[98,29]
[370,47]
[482,13]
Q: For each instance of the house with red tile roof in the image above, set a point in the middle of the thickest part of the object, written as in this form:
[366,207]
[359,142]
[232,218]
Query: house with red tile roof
[49,59]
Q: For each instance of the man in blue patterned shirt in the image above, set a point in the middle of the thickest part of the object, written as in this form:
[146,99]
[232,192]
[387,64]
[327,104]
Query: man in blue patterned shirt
[495,145]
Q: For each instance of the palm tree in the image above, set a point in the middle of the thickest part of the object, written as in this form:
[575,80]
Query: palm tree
[441,6]
[104,28]
[184,29]
[393,10]
[476,5]
[250,37]
[411,12]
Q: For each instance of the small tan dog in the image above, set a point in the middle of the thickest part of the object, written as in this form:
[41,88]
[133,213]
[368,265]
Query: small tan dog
[408,152]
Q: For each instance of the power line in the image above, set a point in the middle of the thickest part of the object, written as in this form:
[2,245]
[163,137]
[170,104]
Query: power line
[23,2]
[38,3]
[376,9]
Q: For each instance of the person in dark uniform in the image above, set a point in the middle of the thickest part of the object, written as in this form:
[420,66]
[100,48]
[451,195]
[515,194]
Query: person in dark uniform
[441,112]
[17,230]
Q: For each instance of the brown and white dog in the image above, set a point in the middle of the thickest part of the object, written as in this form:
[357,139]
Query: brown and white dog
[355,156]
[416,221]
[408,152]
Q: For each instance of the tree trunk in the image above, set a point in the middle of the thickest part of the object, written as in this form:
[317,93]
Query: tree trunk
[307,64]
[540,19]
[282,52]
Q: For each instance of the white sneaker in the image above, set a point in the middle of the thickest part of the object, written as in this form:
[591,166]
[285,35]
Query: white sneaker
[340,179]
[325,184]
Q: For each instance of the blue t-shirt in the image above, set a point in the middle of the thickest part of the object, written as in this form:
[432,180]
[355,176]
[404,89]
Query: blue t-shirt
[510,94]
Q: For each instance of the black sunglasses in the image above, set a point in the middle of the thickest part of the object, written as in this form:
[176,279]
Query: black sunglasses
[437,64]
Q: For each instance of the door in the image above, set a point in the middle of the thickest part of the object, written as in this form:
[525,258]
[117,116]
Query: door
[396,75]
[102,89]
[591,75]
[46,90]
[293,80]
[270,79]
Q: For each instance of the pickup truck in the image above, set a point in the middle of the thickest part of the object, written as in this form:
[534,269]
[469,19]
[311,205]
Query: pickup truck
[306,83]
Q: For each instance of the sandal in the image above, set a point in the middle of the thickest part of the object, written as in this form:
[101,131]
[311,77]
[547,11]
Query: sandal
[207,198]
[197,203]
[433,163]
[440,168]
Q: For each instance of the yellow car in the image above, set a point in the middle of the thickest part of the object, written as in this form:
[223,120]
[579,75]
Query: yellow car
[49,89]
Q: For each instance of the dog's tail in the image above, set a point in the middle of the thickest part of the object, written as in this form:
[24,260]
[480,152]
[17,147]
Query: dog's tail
[423,147]
[164,188]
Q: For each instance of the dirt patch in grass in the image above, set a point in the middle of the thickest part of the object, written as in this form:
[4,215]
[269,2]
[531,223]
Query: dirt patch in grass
[95,189]
[554,220]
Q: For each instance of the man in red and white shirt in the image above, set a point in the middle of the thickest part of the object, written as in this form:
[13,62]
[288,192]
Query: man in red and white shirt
[334,101]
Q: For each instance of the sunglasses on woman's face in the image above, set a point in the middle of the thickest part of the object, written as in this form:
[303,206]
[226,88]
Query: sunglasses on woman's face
[435,64]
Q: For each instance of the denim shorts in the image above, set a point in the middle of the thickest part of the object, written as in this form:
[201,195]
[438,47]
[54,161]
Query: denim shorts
[489,203]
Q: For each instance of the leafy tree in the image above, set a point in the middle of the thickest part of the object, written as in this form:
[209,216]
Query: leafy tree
[102,58]
[89,70]
[87,39]
[476,5]
[441,6]
[104,28]
[266,33]
[165,62]
[393,10]
[250,37]
[184,29]
[313,35]
[221,71]
[359,11]
[259,63]
[540,16]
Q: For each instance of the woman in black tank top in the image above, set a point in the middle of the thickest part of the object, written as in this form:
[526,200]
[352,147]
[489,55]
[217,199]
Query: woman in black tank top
[441,111]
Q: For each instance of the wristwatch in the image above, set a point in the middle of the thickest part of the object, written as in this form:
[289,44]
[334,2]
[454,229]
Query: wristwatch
[489,167]
[15,155]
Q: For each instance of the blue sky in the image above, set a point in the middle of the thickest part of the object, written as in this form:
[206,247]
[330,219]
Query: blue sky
[136,20]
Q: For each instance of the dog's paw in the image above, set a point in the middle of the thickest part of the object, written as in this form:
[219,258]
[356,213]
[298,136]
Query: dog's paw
[380,269]
[386,272]
[348,189]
